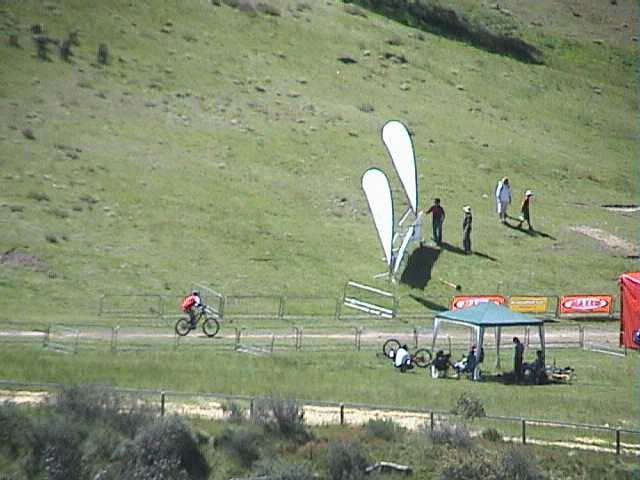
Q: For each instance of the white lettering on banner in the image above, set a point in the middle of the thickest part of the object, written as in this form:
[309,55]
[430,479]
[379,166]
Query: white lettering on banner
[587,303]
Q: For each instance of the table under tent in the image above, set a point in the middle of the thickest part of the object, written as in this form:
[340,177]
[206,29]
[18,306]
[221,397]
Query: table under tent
[483,316]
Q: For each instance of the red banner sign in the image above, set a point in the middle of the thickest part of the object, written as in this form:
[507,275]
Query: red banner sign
[464,301]
[585,304]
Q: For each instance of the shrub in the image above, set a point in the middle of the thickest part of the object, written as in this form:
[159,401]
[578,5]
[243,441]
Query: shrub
[54,447]
[102,404]
[284,416]
[38,196]
[13,425]
[163,449]
[233,412]
[302,6]
[515,463]
[268,9]
[468,465]
[366,108]
[468,407]
[277,470]
[383,429]
[354,10]
[492,435]
[241,443]
[449,434]
[346,461]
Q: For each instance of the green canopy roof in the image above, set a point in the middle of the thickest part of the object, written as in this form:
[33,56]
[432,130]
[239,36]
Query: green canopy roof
[488,314]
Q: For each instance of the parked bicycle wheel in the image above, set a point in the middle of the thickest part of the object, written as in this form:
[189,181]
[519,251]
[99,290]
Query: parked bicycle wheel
[210,326]
[391,345]
[422,357]
[183,326]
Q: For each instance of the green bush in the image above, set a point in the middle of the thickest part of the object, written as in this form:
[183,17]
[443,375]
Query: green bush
[233,412]
[13,425]
[346,461]
[517,464]
[452,435]
[469,407]
[277,470]
[381,428]
[241,443]
[492,435]
[163,449]
[468,465]
[283,416]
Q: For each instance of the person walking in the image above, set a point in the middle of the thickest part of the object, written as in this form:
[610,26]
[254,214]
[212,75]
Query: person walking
[466,229]
[437,219]
[503,199]
[518,354]
[525,215]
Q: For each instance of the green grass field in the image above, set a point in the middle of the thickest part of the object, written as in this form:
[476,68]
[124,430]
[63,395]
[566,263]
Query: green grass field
[227,148]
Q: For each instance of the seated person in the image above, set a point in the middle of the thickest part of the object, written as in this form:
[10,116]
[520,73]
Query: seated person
[440,364]
[469,362]
[402,359]
[536,371]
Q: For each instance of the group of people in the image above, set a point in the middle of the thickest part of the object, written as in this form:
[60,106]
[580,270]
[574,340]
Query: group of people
[503,200]
[534,372]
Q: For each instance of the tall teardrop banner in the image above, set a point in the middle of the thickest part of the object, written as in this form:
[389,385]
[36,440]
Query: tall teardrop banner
[398,143]
[375,185]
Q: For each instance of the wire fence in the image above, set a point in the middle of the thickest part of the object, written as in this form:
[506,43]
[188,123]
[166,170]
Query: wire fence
[603,438]
[293,337]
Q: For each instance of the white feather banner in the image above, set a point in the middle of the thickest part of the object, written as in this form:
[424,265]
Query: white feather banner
[378,193]
[398,143]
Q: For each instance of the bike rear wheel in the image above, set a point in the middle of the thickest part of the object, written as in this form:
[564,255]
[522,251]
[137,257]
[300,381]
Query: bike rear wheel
[210,326]
[183,326]
[422,357]
[391,345]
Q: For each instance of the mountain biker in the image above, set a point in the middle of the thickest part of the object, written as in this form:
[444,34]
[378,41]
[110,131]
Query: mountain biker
[189,305]
[402,359]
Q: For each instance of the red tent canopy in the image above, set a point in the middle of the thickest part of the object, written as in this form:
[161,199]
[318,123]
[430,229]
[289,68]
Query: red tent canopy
[629,308]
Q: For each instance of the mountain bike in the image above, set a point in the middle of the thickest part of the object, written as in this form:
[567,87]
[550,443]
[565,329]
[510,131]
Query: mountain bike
[204,315]
[420,358]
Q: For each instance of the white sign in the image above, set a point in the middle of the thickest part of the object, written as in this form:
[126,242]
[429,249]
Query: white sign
[397,140]
[378,192]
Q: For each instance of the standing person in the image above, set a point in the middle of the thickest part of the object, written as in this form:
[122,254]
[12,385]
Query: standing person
[437,219]
[466,229]
[503,199]
[518,354]
[525,215]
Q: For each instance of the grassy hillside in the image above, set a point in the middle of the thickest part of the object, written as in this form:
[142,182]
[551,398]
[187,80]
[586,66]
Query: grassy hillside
[226,146]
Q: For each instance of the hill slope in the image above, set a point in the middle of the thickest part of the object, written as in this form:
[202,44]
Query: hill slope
[227,146]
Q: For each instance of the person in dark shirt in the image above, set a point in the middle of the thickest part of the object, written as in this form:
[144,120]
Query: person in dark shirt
[525,214]
[437,219]
[466,229]
[517,358]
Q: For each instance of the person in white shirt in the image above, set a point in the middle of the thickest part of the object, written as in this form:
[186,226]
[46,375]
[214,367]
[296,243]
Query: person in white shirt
[503,199]
[402,359]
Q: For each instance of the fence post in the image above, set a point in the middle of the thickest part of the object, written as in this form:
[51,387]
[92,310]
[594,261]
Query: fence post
[162,400]
[273,341]
[100,304]
[358,331]
[581,335]
[342,414]
[617,441]
[75,342]
[238,335]
[524,431]
[45,342]
[281,307]
[114,339]
[432,421]
[338,308]
[251,409]
[415,337]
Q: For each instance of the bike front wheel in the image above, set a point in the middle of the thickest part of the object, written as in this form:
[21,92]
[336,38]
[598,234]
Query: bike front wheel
[183,326]
[210,326]
[390,347]
[422,358]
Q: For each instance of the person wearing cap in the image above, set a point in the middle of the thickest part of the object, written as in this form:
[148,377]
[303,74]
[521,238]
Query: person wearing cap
[437,219]
[466,229]
[524,210]
[503,198]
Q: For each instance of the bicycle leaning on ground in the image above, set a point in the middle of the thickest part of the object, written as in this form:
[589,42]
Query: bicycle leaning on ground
[420,358]
[204,315]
